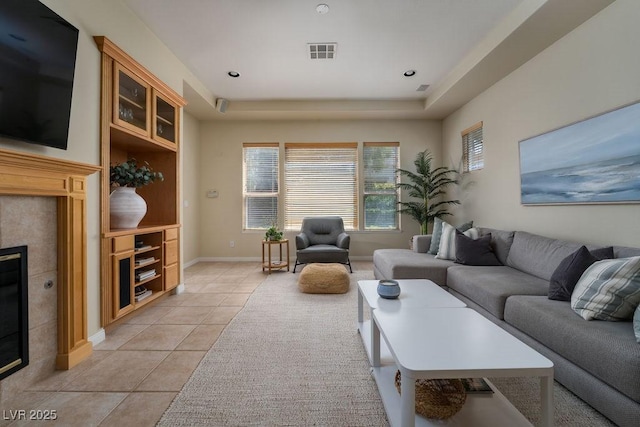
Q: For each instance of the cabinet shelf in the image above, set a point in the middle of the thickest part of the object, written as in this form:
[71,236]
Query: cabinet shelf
[146,264]
[163,120]
[148,249]
[131,102]
[147,280]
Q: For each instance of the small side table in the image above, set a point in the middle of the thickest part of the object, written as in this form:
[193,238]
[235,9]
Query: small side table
[267,263]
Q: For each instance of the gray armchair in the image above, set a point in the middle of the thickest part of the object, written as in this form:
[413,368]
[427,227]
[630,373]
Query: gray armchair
[322,239]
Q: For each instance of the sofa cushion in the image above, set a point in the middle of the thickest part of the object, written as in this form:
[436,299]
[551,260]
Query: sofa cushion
[538,255]
[406,264]
[607,350]
[490,287]
[475,251]
[501,241]
[447,248]
[421,242]
[608,290]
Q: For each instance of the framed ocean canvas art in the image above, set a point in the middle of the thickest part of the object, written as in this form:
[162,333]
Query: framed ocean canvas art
[593,161]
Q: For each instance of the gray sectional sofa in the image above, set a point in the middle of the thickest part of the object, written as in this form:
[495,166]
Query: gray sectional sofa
[599,361]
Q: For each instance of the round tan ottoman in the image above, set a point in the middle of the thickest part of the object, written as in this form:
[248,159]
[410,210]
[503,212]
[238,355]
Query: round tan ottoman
[324,279]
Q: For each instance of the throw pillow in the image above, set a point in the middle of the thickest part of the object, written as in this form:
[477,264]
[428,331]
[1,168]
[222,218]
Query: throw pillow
[475,252]
[564,278]
[636,323]
[447,249]
[608,290]
[435,236]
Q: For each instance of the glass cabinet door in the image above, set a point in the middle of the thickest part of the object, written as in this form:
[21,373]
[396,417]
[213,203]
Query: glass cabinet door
[132,107]
[164,124]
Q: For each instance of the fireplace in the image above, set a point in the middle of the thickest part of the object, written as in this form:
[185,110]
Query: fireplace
[28,174]
[14,311]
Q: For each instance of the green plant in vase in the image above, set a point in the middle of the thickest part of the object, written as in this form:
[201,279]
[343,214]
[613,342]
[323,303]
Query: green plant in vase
[428,186]
[128,174]
[126,207]
[273,234]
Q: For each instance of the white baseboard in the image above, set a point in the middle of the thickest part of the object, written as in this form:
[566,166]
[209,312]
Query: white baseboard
[98,337]
[256,259]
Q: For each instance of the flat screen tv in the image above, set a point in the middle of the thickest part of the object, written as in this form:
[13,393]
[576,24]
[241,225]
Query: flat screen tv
[37,63]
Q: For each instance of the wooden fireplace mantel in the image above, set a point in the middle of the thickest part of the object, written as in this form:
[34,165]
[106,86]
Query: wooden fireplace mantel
[35,175]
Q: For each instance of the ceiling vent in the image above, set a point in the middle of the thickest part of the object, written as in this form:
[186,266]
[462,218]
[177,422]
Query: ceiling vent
[422,88]
[322,50]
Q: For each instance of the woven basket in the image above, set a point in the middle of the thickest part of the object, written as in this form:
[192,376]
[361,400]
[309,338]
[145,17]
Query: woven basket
[437,399]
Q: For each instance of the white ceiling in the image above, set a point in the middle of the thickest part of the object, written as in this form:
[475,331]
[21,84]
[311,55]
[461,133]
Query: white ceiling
[378,40]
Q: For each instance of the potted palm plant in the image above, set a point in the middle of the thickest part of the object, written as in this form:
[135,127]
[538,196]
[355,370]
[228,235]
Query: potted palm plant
[126,207]
[427,185]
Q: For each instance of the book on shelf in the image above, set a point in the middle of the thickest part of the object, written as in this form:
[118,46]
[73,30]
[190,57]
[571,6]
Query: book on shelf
[140,261]
[139,290]
[142,275]
[142,247]
[476,385]
[145,294]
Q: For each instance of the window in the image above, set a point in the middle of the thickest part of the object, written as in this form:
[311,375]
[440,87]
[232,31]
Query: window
[472,148]
[380,192]
[260,185]
[321,179]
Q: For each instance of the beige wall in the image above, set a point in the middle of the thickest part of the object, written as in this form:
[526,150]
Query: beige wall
[191,195]
[111,19]
[592,70]
[221,166]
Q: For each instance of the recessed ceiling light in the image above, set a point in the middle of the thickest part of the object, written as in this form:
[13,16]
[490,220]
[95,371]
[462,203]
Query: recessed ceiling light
[233,74]
[410,73]
[322,8]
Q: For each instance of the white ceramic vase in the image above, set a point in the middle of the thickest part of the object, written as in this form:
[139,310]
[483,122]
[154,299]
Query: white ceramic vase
[126,208]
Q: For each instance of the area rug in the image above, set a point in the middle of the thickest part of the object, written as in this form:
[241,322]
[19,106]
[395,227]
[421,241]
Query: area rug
[287,358]
[294,359]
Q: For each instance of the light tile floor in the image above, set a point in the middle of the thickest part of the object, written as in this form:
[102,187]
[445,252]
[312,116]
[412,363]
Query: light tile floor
[133,376]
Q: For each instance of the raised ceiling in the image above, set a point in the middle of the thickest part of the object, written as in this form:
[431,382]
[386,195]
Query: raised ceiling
[267,42]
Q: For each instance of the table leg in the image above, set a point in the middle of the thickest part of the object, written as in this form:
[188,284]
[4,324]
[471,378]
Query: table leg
[375,343]
[360,309]
[407,401]
[269,260]
[546,401]
[287,255]
[263,257]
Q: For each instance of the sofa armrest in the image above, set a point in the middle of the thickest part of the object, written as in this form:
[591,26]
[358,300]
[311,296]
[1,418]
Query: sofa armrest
[421,243]
[343,241]
[302,241]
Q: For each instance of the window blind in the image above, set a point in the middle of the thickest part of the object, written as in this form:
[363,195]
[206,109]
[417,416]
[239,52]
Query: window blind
[381,159]
[472,148]
[321,179]
[260,185]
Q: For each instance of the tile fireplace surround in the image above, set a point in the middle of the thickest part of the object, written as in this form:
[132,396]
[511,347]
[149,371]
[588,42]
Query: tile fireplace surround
[34,175]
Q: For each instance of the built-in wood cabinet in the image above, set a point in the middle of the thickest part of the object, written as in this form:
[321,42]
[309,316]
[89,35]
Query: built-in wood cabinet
[140,120]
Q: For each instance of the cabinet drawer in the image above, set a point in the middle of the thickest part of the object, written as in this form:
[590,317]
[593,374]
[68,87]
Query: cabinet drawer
[170,252]
[170,277]
[171,234]
[123,243]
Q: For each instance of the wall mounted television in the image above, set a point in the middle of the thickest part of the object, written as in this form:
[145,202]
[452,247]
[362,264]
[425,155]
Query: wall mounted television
[37,63]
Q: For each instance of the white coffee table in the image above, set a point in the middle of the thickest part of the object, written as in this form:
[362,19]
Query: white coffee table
[455,343]
[413,293]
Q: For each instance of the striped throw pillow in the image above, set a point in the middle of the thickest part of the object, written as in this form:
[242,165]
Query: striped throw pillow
[447,248]
[608,290]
